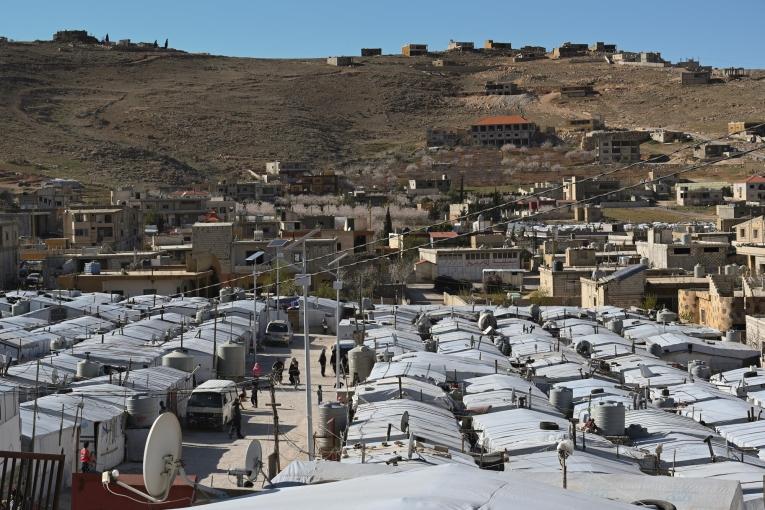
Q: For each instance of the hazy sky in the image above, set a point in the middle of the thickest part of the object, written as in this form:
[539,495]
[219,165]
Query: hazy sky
[718,33]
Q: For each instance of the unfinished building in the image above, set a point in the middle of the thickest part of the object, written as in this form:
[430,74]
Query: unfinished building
[371,52]
[695,77]
[572,91]
[504,129]
[615,146]
[491,44]
[414,50]
[491,88]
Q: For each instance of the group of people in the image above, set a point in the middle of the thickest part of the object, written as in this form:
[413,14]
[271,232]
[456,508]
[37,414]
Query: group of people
[333,362]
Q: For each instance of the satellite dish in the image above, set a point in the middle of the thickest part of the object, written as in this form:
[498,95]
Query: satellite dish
[161,455]
[254,459]
[405,422]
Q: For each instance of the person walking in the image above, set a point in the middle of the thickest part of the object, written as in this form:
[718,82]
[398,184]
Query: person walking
[333,361]
[254,394]
[294,373]
[236,421]
[319,394]
[87,458]
[323,361]
[243,396]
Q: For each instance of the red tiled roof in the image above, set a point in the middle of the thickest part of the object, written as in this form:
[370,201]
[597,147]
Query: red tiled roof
[756,178]
[501,119]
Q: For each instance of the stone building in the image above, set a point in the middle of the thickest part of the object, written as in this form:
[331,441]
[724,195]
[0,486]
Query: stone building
[750,190]
[371,52]
[414,50]
[695,77]
[622,288]
[662,252]
[699,193]
[119,227]
[490,44]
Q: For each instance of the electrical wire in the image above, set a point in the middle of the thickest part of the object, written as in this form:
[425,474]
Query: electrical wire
[500,223]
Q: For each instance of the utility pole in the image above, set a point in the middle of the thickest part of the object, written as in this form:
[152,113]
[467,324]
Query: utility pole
[34,414]
[274,405]
[307,346]
[215,341]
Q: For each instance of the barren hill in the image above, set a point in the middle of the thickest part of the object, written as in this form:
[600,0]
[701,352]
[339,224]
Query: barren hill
[108,116]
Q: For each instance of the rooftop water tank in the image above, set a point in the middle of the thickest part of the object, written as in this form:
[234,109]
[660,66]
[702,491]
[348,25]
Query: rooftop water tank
[93,267]
[333,419]
[534,311]
[732,335]
[563,399]
[624,260]
[226,295]
[699,370]
[180,360]
[616,325]
[685,239]
[730,270]
[57,343]
[699,271]
[665,316]
[87,369]
[557,265]
[361,359]
[609,417]
[231,358]
[142,411]
[486,319]
[645,261]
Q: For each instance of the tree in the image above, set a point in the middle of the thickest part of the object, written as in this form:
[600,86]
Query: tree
[106,39]
[388,225]
[155,44]
[540,297]
[649,302]
[166,43]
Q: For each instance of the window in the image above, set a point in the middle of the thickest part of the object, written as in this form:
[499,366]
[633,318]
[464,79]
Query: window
[107,218]
[741,232]
[755,233]
[682,251]
[711,250]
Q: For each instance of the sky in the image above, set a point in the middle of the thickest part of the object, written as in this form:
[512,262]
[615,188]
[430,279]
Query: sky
[718,33]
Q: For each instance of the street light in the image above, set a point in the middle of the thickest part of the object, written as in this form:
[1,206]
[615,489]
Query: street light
[304,280]
[256,258]
[277,244]
[337,285]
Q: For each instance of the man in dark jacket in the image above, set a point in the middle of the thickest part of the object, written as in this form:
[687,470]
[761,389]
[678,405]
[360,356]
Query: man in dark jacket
[236,421]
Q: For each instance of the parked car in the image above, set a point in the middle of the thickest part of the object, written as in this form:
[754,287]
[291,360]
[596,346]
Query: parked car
[279,333]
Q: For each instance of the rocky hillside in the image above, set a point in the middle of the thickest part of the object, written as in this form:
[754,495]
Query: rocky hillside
[109,116]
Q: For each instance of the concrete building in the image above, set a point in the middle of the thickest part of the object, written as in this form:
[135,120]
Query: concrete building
[750,243]
[502,130]
[663,253]
[9,253]
[466,263]
[750,190]
[460,46]
[340,61]
[572,91]
[751,130]
[615,146]
[490,44]
[755,333]
[429,186]
[725,305]
[163,280]
[317,184]
[601,47]
[414,50]
[592,124]
[437,137]
[695,77]
[371,52]
[491,88]
[622,288]
[120,228]
[290,168]
[699,193]
[563,286]
[577,189]
[211,249]
[569,50]
[731,214]
[712,150]
[250,191]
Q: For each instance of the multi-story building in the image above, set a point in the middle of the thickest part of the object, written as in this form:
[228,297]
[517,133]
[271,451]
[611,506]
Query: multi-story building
[695,77]
[251,191]
[490,44]
[118,227]
[320,184]
[568,50]
[615,146]
[502,130]
[699,193]
[662,252]
[371,52]
[414,50]
[577,189]
[429,186]
[750,190]
[467,263]
[460,46]
[436,137]
[750,130]
[492,88]
[712,150]
[289,168]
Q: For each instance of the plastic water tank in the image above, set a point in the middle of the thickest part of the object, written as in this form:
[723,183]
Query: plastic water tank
[624,260]
[142,410]
[645,261]
[557,265]
[699,370]
[87,369]
[732,335]
[93,267]
[665,316]
[180,360]
[57,343]
[231,358]
[361,359]
[685,239]
[333,419]
[730,270]
[534,311]
[616,325]
[486,319]
[226,295]
[699,271]
[609,417]
[563,399]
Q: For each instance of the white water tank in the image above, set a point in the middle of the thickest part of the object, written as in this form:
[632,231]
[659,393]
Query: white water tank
[645,261]
[665,316]
[685,239]
[57,343]
[231,357]
[699,271]
[87,369]
[142,410]
[699,370]
[730,270]
[732,335]
[361,359]
[179,359]
[19,307]
[333,419]
[486,319]
[616,325]
[563,399]
[609,417]
[226,295]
